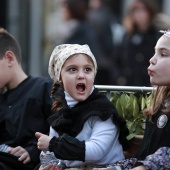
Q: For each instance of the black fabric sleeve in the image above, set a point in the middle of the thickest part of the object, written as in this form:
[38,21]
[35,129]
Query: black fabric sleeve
[10,162]
[67,148]
[34,153]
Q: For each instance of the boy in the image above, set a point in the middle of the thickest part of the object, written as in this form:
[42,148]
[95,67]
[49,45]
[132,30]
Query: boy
[25,105]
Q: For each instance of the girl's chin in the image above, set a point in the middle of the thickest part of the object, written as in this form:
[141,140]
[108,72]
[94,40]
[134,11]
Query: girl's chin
[160,84]
[81,99]
[155,84]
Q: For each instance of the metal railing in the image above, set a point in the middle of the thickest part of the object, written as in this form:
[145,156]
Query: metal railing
[109,89]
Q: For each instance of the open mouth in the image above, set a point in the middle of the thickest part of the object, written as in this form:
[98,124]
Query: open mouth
[80,87]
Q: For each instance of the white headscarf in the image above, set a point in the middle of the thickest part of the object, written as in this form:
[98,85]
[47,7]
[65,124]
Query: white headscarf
[61,53]
[166,33]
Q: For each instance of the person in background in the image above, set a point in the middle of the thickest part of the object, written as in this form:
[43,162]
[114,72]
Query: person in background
[138,43]
[86,130]
[25,105]
[102,18]
[78,30]
[154,152]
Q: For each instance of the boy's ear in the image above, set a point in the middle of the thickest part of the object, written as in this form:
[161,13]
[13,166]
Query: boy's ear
[10,57]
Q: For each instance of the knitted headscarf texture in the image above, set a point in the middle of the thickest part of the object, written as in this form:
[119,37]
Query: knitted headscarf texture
[61,53]
[166,33]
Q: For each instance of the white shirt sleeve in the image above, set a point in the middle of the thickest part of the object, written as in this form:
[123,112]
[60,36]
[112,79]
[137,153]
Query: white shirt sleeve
[53,133]
[101,141]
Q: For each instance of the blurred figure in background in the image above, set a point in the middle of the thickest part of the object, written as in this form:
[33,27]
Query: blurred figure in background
[79,31]
[101,18]
[162,21]
[138,42]
[74,15]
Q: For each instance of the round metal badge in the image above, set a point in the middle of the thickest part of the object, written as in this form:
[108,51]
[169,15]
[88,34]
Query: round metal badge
[162,121]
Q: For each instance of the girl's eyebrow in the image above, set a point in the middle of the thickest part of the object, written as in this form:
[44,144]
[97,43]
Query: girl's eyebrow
[74,65]
[69,66]
[162,48]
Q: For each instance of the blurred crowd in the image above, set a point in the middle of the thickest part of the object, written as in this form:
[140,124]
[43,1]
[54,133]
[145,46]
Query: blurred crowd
[121,45]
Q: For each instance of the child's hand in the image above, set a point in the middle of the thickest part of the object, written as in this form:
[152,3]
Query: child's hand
[48,167]
[21,153]
[43,141]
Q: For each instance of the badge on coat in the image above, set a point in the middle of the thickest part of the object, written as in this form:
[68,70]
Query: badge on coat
[162,121]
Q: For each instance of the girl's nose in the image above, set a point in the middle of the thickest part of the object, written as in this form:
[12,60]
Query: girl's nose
[152,61]
[80,75]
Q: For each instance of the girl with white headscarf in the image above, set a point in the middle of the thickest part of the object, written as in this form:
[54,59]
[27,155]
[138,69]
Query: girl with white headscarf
[86,130]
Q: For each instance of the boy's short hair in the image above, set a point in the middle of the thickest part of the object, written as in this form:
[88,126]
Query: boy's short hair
[9,43]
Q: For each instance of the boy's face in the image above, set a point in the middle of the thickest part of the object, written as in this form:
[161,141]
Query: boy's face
[77,76]
[5,71]
[159,69]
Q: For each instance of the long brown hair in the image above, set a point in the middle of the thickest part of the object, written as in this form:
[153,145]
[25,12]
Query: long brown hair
[160,94]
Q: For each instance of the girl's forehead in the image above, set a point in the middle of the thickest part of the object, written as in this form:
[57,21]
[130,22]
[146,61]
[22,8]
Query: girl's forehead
[163,43]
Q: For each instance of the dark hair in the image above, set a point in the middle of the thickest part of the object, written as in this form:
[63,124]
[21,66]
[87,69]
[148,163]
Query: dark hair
[77,8]
[57,101]
[9,43]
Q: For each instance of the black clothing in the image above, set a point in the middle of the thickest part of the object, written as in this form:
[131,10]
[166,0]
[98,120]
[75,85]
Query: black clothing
[102,20]
[70,121]
[137,50]
[154,137]
[10,162]
[24,111]
[68,148]
[83,34]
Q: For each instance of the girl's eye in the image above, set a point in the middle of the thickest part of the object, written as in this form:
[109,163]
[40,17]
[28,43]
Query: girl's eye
[72,69]
[163,55]
[87,69]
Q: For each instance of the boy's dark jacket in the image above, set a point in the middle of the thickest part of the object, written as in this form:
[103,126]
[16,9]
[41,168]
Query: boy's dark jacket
[24,111]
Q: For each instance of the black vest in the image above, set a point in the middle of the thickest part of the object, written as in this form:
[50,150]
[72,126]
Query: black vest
[157,134]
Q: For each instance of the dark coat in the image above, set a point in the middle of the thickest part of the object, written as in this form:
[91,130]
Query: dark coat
[24,111]
[155,137]
[137,51]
